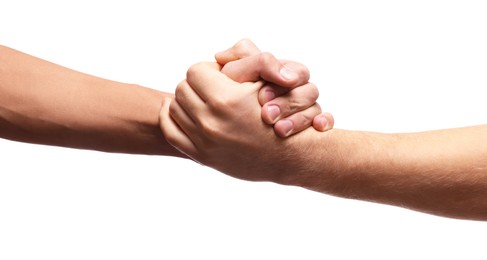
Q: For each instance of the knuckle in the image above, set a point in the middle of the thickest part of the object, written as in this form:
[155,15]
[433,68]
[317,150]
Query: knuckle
[304,73]
[316,110]
[179,88]
[304,96]
[193,70]
[313,91]
[180,93]
[223,103]
[210,129]
[305,119]
[244,48]
[301,70]
[172,110]
[221,107]
[317,107]
[217,103]
[302,112]
[266,58]
[294,105]
[244,43]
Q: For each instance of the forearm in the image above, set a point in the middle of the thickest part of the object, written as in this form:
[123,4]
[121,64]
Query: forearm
[44,103]
[438,172]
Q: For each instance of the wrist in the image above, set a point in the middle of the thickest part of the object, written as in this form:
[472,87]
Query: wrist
[344,163]
[320,159]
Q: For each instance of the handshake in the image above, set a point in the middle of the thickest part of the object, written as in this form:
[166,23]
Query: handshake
[248,114]
[215,117]
[253,117]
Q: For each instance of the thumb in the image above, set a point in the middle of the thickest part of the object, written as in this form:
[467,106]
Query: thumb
[243,48]
[265,66]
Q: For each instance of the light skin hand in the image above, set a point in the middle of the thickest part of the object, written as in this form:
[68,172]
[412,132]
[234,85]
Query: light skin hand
[216,121]
[288,99]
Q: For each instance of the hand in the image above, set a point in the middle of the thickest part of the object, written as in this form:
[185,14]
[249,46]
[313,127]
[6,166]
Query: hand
[217,122]
[287,100]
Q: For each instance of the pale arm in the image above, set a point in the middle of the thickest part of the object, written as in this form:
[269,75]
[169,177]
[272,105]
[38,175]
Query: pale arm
[441,172]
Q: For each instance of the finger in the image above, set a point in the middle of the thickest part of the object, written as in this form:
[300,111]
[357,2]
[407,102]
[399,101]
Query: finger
[297,122]
[182,119]
[298,99]
[299,68]
[206,79]
[188,101]
[173,134]
[243,48]
[271,91]
[265,66]
[211,85]
[323,122]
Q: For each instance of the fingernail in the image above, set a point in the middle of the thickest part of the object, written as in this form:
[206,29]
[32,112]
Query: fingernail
[321,122]
[269,94]
[287,73]
[273,112]
[287,126]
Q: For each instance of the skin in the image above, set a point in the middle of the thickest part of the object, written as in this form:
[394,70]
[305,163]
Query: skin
[217,121]
[244,62]
[44,103]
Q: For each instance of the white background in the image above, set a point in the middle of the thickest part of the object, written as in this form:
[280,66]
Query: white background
[389,66]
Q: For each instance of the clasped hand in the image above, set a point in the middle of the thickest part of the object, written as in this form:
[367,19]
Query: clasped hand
[236,113]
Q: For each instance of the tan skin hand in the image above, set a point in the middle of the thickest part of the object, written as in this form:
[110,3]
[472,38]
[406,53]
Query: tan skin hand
[211,128]
[45,103]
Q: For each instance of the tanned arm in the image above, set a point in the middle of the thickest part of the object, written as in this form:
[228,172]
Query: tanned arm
[44,103]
